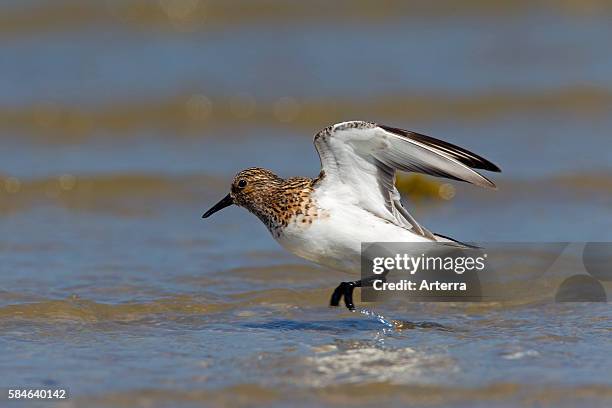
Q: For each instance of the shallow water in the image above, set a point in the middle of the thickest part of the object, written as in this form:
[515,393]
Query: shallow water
[119,130]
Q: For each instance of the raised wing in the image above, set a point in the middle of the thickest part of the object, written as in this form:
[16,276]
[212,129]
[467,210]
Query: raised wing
[359,159]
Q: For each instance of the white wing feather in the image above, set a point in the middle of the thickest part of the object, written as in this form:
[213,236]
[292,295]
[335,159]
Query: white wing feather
[360,159]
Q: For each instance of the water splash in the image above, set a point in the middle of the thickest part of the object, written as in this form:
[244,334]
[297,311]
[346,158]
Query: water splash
[377,316]
[392,326]
[389,328]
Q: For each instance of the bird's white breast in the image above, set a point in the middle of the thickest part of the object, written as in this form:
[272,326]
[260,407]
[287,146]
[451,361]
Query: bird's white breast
[334,237]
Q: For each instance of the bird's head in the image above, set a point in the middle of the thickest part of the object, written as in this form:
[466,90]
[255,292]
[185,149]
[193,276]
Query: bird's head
[249,189]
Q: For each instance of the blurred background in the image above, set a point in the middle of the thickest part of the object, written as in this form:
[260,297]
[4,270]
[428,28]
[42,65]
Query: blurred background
[122,121]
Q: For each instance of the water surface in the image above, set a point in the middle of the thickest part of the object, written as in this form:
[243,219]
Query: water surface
[120,127]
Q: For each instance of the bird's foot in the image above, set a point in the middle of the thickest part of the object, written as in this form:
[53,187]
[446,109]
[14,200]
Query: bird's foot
[345,289]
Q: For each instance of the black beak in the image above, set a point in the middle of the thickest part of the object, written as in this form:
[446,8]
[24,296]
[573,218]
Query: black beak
[225,202]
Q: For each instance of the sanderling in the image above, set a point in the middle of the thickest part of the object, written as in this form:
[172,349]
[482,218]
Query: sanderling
[354,198]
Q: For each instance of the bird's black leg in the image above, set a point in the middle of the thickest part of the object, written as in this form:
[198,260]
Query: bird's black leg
[346,289]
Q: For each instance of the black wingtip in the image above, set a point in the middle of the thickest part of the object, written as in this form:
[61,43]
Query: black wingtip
[458,153]
[490,166]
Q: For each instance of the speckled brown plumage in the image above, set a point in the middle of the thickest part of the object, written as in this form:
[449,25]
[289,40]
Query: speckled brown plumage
[275,201]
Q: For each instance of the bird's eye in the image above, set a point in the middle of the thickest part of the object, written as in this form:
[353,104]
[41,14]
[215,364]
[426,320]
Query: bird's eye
[242,183]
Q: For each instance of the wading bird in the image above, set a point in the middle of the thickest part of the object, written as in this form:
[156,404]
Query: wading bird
[354,198]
